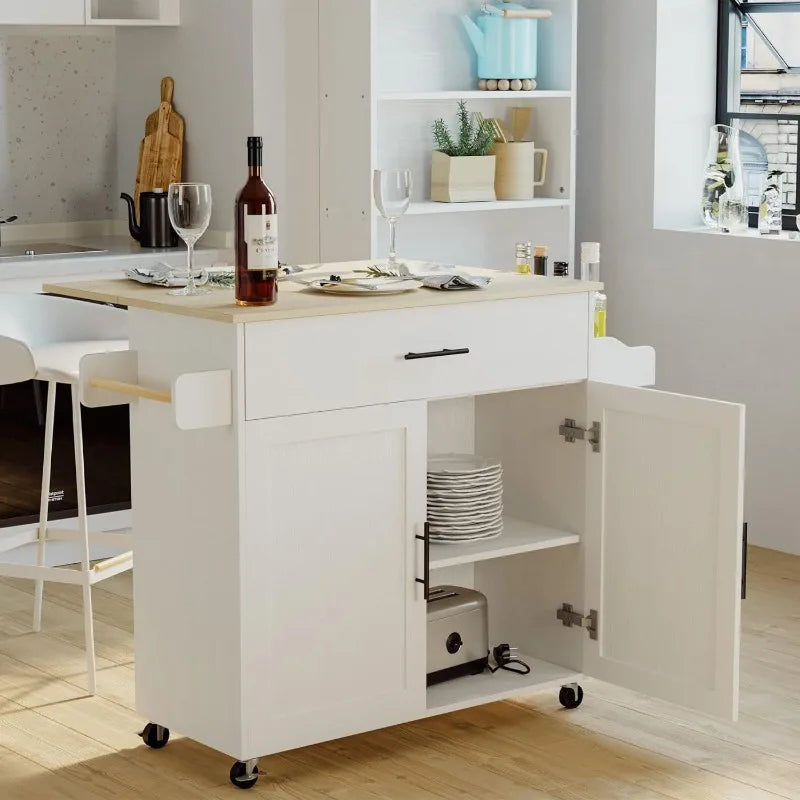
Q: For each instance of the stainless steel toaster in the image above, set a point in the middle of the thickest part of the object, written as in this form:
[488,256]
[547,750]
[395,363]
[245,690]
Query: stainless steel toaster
[458,633]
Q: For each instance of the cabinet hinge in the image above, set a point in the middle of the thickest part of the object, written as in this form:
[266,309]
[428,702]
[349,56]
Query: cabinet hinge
[569,617]
[571,432]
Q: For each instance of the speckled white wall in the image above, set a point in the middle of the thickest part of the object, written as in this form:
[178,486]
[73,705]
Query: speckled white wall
[58,126]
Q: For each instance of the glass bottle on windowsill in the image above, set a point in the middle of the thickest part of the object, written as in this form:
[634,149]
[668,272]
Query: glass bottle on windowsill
[770,213]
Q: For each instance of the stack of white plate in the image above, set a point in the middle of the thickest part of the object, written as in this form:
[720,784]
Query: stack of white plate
[465,498]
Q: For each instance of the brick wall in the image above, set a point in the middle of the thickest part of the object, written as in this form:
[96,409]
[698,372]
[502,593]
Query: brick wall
[779,139]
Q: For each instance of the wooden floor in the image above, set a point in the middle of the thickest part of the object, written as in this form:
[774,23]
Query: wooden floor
[57,743]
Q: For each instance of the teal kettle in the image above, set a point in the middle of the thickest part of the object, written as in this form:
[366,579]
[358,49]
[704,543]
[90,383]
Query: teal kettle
[505,38]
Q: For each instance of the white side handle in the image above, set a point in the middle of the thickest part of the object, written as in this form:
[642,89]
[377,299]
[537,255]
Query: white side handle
[202,400]
[199,399]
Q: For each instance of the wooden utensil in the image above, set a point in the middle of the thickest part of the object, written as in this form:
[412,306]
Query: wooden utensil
[520,122]
[161,150]
[177,125]
[500,132]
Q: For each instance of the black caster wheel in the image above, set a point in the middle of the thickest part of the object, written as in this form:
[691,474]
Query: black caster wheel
[155,736]
[570,696]
[244,774]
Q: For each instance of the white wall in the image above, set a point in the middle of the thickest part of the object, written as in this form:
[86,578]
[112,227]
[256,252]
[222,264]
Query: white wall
[234,77]
[722,312]
[211,58]
[286,114]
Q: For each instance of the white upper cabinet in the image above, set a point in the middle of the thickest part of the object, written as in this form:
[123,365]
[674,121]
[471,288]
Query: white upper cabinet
[90,12]
[663,546]
[132,12]
[42,12]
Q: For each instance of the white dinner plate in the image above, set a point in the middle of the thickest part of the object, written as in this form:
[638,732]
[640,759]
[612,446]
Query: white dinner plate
[466,489]
[466,530]
[469,506]
[465,517]
[465,493]
[465,539]
[365,286]
[456,481]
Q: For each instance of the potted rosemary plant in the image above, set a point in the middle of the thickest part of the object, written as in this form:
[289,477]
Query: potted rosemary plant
[462,169]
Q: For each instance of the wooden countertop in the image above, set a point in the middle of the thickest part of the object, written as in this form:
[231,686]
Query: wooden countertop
[296,301]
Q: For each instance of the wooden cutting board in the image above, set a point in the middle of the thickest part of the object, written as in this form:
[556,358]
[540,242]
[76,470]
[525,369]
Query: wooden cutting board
[161,150]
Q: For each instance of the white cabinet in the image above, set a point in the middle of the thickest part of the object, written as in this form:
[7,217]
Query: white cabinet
[132,12]
[658,506]
[387,70]
[90,12]
[334,617]
[42,12]
[278,558]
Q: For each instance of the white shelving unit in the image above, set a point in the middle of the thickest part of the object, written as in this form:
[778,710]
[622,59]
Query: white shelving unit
[518,537]
[429,207]
[473,94]
[388,69]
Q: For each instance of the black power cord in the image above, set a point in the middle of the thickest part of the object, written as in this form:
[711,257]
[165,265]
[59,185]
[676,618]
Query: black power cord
[503,657]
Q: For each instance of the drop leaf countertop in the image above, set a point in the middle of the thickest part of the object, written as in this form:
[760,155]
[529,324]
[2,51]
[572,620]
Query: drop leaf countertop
[297,301]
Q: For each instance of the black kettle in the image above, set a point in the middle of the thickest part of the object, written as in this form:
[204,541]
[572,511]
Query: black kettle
[154,228]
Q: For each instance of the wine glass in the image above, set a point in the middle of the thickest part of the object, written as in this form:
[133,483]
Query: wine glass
[392,191]
[189,212]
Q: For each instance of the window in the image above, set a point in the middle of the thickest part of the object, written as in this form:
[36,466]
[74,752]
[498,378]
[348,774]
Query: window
[758,91]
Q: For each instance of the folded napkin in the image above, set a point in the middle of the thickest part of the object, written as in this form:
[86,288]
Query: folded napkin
[159,275]
[455,282]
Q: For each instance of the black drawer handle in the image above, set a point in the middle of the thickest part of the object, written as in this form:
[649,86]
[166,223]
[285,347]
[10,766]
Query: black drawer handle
[461,351]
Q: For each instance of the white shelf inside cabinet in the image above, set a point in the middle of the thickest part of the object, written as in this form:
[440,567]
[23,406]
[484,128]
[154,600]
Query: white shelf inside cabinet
[537,94]
[518,537]
[430,207]
[489,687]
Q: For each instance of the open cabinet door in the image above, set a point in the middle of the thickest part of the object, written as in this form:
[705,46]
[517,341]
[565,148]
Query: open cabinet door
[663,546]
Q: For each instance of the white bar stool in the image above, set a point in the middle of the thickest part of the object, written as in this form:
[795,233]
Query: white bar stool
[44,338]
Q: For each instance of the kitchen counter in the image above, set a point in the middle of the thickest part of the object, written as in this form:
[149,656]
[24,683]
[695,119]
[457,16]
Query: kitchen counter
[296,301]
[120,253]
[279,483]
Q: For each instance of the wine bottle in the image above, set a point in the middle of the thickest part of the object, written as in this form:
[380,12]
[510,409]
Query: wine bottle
[256,235]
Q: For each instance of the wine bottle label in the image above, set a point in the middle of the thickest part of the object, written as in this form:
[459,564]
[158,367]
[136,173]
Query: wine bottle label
[261,235]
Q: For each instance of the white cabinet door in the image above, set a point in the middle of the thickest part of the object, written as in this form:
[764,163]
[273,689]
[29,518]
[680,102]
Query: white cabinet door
[42,12]
[333,619]
[664,545]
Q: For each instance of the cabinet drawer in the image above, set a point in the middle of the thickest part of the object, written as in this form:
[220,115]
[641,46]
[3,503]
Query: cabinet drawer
[321,363]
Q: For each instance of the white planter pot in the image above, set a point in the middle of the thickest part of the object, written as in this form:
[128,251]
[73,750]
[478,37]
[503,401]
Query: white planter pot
[462,179]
